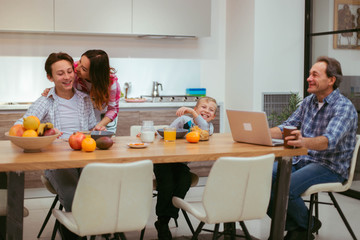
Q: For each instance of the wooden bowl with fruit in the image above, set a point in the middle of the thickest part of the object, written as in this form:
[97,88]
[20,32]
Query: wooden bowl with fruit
[32,135]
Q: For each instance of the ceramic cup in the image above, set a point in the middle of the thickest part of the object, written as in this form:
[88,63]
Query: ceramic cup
[287,132]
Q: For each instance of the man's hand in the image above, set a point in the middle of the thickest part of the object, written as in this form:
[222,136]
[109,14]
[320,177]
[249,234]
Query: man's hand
[314,143]
[295,140]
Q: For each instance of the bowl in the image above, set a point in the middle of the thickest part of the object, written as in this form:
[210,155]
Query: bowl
[32,144]
[97,134]
[180,133]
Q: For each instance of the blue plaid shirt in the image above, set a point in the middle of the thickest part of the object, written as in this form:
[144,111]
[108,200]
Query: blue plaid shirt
[337,120]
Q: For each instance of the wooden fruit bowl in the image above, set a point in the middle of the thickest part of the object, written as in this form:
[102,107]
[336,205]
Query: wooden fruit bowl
[32,144]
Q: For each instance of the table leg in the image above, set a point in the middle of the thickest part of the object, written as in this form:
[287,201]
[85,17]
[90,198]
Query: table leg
[229,228]
[15,212]
[3,185]
[281,198]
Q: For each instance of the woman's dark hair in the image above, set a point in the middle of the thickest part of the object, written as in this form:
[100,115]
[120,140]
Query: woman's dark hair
[55,57]
[333,69]
[99,74]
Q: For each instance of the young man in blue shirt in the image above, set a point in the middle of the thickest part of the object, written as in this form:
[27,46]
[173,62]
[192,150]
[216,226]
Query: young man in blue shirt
[327,124]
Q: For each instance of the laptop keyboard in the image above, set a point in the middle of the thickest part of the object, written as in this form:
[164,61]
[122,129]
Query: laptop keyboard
[277,141]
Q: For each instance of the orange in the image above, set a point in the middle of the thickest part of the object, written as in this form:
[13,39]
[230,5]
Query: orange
[31,122]
[30,133]
[193,137]
[17,130]
[88,145]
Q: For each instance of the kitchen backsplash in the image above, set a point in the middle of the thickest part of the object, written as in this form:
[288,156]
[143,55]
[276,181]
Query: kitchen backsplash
[22,79]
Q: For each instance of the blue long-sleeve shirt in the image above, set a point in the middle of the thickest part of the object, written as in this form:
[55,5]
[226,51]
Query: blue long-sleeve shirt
[336,120]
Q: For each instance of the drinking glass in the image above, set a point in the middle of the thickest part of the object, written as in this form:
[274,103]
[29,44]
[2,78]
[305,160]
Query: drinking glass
[169,134]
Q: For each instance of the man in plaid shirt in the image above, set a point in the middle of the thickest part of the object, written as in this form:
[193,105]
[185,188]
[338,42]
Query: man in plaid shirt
[327,124]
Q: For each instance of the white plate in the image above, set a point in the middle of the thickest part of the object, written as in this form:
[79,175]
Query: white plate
[138,145]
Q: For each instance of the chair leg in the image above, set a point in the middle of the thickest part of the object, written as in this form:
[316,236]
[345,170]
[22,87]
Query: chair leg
[188,221]
[342,215]
[122,236]
[216,231]
[142,233]
[176,222]
[198,230]
[245,230]
[311,205]
[56,225]
[48,216]
[317,209]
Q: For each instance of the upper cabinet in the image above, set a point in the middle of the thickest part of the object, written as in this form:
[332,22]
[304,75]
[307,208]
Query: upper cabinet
[93,16]
[27,15]
[175,17]
[126,17]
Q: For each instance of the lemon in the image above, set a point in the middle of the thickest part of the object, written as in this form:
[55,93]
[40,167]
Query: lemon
[30,133]
[31,122]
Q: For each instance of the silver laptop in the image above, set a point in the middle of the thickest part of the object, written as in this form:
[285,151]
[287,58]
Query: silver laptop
[251,127]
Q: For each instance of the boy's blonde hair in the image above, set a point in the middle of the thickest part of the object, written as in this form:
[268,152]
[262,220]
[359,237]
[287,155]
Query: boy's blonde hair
[207,99]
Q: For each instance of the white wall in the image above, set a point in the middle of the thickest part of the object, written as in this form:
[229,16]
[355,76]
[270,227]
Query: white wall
[178,64]
[255,46]
[264,51]
[279,51]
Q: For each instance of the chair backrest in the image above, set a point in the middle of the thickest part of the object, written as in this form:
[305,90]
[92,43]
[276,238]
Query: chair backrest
[135,129]
[238,188]
[348,183]
[113,198]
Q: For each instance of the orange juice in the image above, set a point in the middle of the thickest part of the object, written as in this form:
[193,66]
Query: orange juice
[169,134]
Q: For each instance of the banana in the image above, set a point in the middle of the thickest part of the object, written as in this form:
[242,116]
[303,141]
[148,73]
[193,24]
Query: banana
[43,127]
[49,125]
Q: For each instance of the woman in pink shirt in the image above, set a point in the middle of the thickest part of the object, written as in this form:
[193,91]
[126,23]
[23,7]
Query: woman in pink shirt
[98,79]
[95,77]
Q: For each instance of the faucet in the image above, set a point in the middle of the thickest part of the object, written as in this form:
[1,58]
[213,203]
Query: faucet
[155,90]
[127,86]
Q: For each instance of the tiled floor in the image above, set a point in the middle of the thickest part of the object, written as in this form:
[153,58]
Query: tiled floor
[38,202]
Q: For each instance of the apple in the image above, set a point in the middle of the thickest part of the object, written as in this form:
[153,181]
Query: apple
[50,132]
[76,139]
[17,130]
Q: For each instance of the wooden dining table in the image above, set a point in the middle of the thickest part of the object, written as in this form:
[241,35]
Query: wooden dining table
[59,155]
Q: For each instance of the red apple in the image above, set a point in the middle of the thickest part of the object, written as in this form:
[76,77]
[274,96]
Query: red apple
[17,130]
[49,132]
[75,140]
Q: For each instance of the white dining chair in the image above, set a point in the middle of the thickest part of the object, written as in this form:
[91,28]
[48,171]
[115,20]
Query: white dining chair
[237,189]
[330,188]
[110,198]
[3,204]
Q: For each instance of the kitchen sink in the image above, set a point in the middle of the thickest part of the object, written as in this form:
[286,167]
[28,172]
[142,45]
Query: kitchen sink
[171,98]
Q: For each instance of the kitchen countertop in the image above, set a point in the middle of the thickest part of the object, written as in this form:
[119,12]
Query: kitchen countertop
[122,105]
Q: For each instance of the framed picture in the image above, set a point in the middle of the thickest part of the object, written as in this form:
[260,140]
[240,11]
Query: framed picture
[346,16]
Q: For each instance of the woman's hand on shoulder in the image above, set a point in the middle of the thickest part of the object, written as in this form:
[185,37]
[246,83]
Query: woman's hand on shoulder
[45,92]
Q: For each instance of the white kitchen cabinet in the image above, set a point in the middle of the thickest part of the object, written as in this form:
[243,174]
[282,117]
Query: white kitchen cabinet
[93,16]
[29,15]
[172,17]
